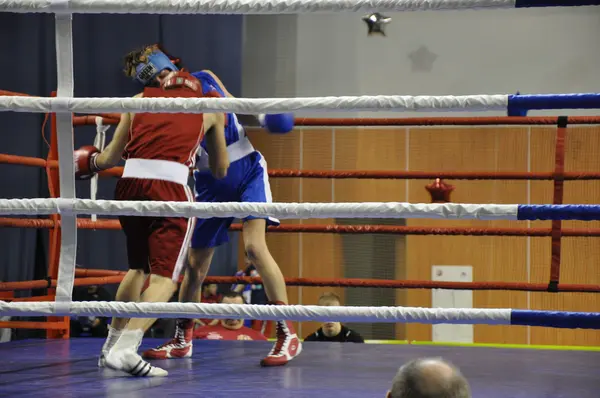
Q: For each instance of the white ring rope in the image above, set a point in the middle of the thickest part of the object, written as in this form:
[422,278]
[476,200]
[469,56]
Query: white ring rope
[245,209]
[255,105]
[242,6]
[264,312]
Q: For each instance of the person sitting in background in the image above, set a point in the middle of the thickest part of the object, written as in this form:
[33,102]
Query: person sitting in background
[334,331]
[208,294]
[253,294]
[229,329]
[89,326]
[429,378]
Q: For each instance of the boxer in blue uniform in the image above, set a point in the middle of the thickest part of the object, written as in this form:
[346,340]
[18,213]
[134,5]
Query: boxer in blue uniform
[246,181]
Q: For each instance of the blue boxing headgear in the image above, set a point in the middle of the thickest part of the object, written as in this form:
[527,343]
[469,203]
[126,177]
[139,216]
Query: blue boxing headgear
[156,63]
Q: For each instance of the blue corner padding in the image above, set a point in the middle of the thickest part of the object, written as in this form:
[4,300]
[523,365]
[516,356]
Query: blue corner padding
[555,3]
[556,319]
[559,212]
[555,101]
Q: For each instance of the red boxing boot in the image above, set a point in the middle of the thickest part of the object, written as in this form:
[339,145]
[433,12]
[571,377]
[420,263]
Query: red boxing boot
[179,346]
[287,346]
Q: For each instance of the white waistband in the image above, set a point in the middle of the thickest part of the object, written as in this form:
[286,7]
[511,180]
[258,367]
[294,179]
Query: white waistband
[236,151]
[152,169]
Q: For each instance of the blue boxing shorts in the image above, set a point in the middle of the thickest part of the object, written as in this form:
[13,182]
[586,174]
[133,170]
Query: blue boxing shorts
[246,181]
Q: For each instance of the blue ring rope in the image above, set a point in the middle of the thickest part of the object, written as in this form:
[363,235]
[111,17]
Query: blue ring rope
[556,319]
[555,3]
[558,212]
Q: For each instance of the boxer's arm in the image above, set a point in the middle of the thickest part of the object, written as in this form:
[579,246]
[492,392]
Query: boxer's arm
[216,145]
[275,123]
[219,82]
[113,152]
[259,118]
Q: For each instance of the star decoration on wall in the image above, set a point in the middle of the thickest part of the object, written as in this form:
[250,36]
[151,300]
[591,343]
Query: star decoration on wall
[375,23]
[422,59]
[439,191]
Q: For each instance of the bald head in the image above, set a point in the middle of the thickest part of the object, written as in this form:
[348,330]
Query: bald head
[429,378]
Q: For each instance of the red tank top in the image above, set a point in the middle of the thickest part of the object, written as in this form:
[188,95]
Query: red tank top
[166,136]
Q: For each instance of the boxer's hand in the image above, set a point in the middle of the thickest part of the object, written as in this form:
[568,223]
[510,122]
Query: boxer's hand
[85,162]
[280,123]
[175,80]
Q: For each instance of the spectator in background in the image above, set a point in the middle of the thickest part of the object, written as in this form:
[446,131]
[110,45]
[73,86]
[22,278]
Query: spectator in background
[229,329]
[208,294]
[334,331]
[429,378]
[89,326]
[253,294]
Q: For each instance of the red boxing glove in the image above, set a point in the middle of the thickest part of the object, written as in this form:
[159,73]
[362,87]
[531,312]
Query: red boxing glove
[85,162]
[175,80]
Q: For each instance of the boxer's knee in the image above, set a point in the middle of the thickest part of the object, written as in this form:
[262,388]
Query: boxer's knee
[255,242]
[131,286]
[164,284]
[256,250]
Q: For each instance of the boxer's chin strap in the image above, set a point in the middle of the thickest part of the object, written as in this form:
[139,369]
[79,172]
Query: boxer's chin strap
[99,142]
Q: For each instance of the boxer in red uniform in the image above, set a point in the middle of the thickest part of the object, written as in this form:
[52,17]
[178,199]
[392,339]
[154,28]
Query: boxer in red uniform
[159,149]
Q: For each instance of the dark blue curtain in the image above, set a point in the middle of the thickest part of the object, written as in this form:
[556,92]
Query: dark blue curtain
[100,42]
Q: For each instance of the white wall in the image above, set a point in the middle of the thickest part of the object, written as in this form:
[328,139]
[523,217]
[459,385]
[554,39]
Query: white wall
[476,52]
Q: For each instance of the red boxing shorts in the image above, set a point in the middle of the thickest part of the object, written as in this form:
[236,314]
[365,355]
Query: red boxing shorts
[157,245]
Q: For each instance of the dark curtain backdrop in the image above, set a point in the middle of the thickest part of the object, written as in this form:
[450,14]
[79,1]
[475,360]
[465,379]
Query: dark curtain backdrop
[29,65]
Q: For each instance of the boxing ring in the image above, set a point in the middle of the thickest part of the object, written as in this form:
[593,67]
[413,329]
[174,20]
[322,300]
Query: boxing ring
[66,366]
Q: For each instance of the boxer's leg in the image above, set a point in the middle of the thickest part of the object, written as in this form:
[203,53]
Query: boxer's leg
[181,345]
[160,290]
[130,288]
[168,247]
[257,189]
[258,253]
[168,243]
[198,266]
[208,234]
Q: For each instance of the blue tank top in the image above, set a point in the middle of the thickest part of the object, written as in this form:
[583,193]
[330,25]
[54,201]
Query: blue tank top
[233,129]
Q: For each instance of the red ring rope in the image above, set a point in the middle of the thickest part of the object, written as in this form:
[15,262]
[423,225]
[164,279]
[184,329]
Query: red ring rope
[85,223]
[443,121]
[354,174]
[101,277]
[111,119]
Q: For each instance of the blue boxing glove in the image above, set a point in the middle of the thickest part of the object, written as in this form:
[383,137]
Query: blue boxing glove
[280,123]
